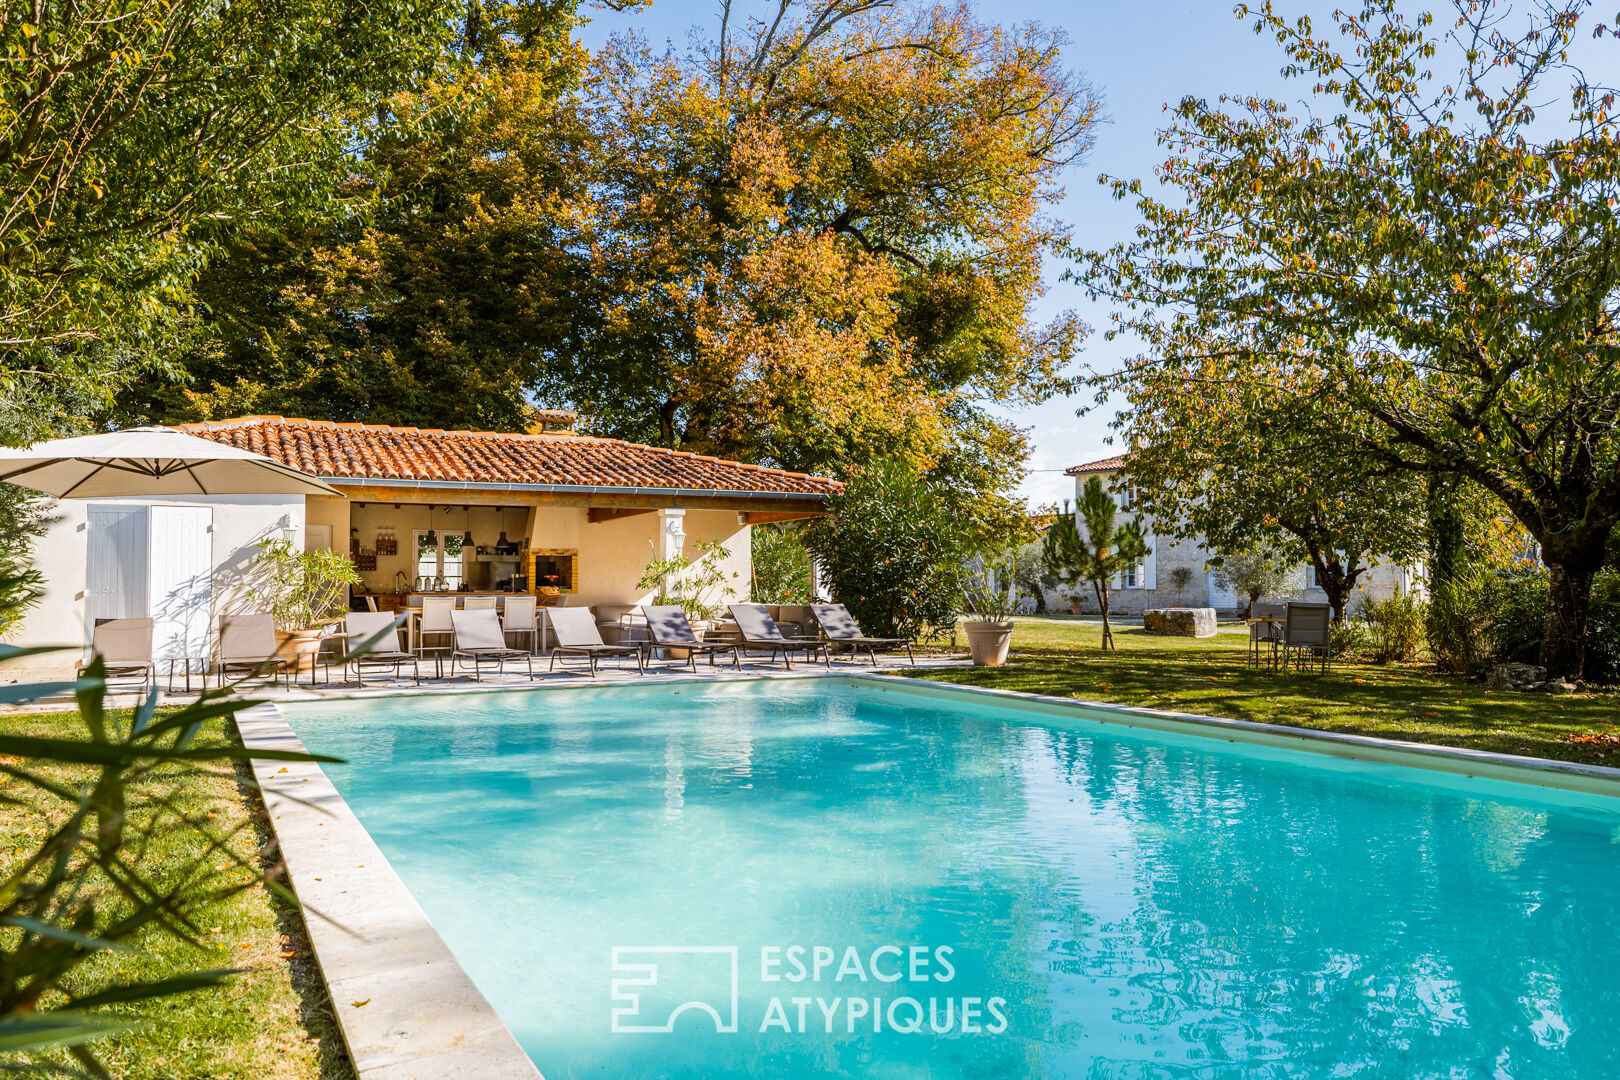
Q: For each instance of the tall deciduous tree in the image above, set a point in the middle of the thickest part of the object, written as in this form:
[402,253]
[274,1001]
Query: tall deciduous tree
[1444,245]
[134,134]
[1241,460]
[1097,552]
[817,236]
[440,306]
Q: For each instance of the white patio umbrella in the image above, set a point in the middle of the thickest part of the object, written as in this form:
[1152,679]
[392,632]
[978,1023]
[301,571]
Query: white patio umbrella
[150,461]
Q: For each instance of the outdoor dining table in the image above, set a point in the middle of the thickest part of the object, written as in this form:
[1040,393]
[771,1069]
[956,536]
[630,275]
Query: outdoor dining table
[415,617]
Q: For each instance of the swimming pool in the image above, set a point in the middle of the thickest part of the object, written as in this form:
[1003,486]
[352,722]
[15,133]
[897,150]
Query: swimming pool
[826,878]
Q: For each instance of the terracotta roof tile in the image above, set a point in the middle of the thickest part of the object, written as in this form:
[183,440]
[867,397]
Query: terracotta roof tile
[1107,464]
[379,452]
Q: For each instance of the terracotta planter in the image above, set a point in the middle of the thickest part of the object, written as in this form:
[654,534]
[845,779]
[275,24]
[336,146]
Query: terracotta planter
[1077,608]
[988,642]
[299,646]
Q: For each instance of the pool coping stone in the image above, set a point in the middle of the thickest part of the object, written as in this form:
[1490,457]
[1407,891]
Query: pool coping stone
[406,1007]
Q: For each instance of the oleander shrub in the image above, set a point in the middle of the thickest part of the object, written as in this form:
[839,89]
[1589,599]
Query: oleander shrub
[892,550]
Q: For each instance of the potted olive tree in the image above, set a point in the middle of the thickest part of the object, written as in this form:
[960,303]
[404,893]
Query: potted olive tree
[990,603]
[303,591]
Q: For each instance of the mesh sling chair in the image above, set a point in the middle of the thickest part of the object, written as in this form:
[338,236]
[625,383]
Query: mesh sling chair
[840,628]
[669,628]
[1266,619]
[360,627]
[479,638]
[577,635]
[436,623]
[760,632]
[125,648]
[1307,634]
[247,643]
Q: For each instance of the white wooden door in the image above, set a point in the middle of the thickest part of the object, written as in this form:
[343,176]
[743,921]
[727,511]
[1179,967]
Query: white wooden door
[180,583]
[115,565]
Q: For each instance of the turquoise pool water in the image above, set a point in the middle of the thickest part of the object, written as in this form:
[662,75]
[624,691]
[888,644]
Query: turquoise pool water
[1060,898]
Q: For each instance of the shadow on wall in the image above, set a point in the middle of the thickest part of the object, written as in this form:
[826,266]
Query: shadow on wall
[239,575]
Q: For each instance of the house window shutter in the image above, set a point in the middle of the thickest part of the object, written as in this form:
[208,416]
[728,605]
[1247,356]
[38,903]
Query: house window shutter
[1150,569]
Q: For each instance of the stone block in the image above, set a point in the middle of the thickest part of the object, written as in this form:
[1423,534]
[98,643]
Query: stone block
[1180,622]
[1517,677]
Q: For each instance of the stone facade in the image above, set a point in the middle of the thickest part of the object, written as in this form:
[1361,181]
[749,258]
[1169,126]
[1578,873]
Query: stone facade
[1176,574]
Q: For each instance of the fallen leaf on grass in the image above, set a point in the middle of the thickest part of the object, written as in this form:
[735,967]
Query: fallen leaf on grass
[1594,738]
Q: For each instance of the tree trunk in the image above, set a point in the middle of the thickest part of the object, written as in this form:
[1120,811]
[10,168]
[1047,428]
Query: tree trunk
[1101,589]
[666,421]
[1248,612]
[1563,642]
[1447,529]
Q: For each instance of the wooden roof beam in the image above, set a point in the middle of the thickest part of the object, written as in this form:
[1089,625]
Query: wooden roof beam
[765,517]
[612,513]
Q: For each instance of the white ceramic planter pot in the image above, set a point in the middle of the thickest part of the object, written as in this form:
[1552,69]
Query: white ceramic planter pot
[988,642]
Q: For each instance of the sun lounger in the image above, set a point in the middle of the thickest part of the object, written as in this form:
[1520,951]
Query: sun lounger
[669,628]
[841,628]
[125,648]
[577,635]
[479,638]
[247,642]
[760,632]
[360,627]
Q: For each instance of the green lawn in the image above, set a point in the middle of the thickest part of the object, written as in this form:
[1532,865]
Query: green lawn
[272,1023]
[1398,701]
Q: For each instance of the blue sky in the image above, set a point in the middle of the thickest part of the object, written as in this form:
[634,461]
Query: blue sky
[1140,55]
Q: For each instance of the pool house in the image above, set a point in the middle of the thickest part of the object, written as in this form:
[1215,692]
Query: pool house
[570,518]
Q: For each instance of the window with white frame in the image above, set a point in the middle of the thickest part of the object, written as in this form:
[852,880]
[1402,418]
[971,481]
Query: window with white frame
[1134,578]
[441,555]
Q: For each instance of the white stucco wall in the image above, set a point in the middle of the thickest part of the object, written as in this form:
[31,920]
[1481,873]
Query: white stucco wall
[613,554]
[60,556]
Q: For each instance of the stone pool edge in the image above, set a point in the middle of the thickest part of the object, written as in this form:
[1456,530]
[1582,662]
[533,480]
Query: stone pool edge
[406,1007]
[1569,776]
